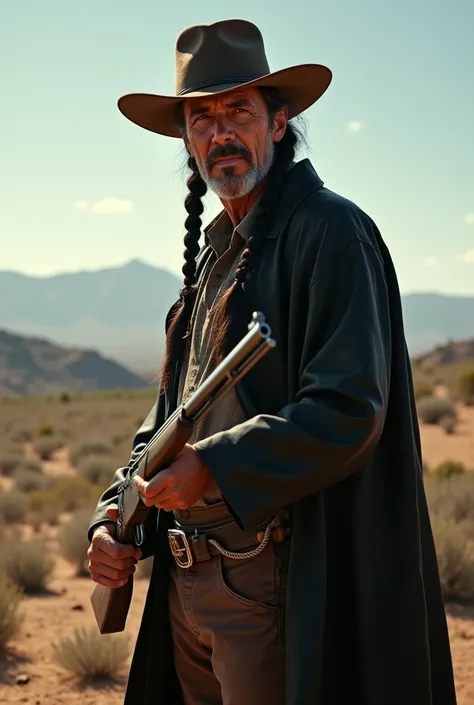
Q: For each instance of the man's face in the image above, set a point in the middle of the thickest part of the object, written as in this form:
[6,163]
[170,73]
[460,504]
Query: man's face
[232,139]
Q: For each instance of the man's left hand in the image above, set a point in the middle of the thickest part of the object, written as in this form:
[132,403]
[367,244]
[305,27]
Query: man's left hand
[180,485]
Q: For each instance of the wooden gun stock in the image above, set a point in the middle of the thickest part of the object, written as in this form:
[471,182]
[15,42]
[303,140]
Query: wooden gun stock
[111,605]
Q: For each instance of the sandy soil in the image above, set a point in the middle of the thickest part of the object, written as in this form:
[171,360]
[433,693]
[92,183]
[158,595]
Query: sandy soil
[438,446]
[50,617]
[67,605]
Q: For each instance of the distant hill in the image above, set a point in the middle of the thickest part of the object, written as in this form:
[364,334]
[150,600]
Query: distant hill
[460,352]
[120,312]
[31,366]
[433,319]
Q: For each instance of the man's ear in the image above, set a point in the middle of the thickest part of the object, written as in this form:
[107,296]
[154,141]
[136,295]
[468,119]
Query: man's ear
[280,121]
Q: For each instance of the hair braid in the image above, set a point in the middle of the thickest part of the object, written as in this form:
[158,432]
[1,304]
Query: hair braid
[182,313]
[271,194]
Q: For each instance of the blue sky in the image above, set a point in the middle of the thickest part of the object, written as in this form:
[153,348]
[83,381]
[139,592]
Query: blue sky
[394,132]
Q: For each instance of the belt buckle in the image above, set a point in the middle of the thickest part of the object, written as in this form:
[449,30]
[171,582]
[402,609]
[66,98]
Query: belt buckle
[180,547]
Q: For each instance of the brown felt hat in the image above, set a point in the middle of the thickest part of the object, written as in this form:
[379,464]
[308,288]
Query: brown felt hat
[215,58]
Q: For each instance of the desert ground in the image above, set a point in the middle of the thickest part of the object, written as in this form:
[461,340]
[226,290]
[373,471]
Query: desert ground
[29,672]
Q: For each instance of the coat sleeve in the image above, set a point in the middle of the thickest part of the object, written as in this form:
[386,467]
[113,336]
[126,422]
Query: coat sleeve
[337,415]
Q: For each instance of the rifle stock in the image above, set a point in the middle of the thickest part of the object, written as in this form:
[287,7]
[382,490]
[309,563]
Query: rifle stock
[111,605]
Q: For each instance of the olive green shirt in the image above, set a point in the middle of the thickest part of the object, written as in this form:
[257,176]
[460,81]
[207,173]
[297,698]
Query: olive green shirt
[227,243]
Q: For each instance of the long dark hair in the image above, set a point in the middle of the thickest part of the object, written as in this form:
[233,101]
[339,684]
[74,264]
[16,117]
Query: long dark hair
[230,303]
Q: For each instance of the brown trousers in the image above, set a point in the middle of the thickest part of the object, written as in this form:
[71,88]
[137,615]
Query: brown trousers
[227,623]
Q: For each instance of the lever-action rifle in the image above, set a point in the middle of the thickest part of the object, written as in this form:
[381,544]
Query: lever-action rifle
[111,605]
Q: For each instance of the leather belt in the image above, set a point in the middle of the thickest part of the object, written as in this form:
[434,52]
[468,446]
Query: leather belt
[190,544]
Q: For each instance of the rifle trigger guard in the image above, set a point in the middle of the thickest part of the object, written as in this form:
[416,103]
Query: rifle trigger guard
[139,534]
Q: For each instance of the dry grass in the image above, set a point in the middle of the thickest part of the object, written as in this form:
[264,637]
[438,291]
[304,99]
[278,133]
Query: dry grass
[450,495]
[89,654]
[10,617]
[73,540]
[54,512]
[13,506]
[28,564]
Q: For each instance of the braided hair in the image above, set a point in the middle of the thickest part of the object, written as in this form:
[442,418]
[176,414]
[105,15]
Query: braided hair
[232,301]
[182,313]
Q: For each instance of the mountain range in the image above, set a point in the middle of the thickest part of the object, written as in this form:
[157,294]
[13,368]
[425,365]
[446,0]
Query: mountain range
[33,366]
[120,312]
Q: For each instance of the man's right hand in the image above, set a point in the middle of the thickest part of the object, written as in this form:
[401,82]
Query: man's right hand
[111,563]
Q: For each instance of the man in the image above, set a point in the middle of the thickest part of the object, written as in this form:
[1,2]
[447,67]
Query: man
[314,578]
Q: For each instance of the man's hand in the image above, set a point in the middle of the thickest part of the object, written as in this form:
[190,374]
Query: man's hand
[180,485]
[111,563]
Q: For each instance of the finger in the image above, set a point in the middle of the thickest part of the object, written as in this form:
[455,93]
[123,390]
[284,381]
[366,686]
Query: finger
[98,557]
[113,548]
[153,487]
[113,573]
[112,512]
[108,582]
[172,503]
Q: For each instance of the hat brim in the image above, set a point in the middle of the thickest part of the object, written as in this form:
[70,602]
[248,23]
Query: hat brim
[303,85]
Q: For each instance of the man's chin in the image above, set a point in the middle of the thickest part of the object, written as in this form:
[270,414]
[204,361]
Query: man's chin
[230,187]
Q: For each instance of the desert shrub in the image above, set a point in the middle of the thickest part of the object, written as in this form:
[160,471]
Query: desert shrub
[87,447]
[455,552]
[448,424]
[89,654]
[21,434]
[96,468]
[28,564]
[45,429]
[10,617]
[64,397]
[422,387]
[432,409]
[451,505]
[453,498]
[73,540]
[46,446]
[73,492]
[465,386]
[13,506]
[448,468]
[43,504]
[28,481]
[29,466]
[9,463]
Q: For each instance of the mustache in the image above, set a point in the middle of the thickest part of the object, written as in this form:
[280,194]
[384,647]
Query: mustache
[227,150]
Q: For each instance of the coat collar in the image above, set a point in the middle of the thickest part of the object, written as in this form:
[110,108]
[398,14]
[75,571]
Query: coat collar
[301,180]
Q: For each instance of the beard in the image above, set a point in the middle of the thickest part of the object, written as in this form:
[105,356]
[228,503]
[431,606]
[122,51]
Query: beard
[229,184]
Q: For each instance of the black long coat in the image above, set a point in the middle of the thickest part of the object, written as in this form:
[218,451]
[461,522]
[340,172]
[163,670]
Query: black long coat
[332,433]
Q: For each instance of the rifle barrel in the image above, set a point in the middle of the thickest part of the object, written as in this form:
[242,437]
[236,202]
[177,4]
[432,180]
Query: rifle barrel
[235,365]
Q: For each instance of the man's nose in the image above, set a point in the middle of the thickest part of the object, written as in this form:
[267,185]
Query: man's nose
[223,134]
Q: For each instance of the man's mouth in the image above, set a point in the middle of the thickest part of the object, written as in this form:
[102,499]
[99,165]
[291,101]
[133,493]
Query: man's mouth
[226,161]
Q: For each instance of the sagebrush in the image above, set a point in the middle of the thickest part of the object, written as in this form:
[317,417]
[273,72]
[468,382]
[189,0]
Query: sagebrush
[13,506]
[89,654]
[73,540]
[28,564]
[10,617]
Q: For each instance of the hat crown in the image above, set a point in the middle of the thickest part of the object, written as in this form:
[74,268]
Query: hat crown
[225,52]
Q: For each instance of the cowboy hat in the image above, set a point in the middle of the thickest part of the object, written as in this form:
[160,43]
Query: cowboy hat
[216,58]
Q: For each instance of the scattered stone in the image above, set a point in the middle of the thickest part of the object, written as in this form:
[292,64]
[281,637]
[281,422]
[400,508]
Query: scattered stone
[22,679]
[78,607]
